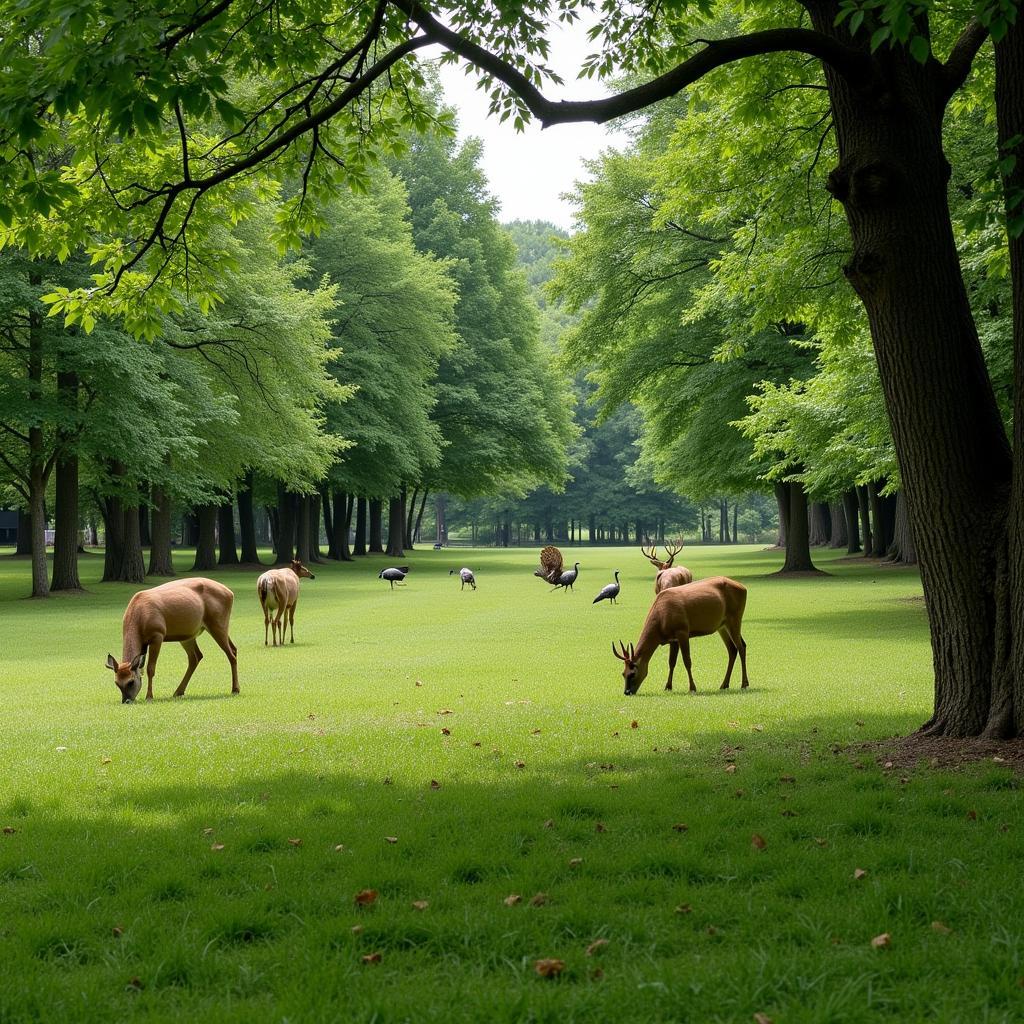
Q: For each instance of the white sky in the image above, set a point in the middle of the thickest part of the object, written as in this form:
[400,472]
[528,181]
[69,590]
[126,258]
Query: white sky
[529,171]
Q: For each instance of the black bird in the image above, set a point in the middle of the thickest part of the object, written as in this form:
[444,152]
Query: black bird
[394,575]
[466,575]
[611,592]
[568,578]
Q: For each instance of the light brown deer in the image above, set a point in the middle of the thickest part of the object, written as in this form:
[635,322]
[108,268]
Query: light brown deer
[278,590]
[698,609]
[177,611]
[668,576]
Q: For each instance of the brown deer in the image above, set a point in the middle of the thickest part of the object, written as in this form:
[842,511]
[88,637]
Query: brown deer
[278,589]
[668,576]
[177,611]
[698,609]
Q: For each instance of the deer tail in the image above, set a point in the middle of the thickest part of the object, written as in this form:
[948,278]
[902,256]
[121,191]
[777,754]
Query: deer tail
[261,589]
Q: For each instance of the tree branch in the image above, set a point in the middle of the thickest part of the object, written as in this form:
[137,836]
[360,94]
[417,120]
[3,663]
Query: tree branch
[961,57]
[851,63]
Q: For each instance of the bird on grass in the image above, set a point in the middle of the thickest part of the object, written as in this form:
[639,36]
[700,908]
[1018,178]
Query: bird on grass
[466,575]
[394,575]
[568,578]
[610,592]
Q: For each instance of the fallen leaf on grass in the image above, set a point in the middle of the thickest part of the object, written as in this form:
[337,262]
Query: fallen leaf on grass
[941,928]
[420,904]
[684,908]
[135,985]
[372,958]
[787,778]
[9,830]
[391,839]
[882,941]
[357,929]
[888,765]
[634,724]
[434,784]
[60,750]
[575,862]
[680,827]
[859,873]
[419,682]
[535,732]
[446,732]
[596,974]
[387,780]
[549,967]
[972,815]
[340,848]
[207,831]
[596,946]
[607,767]
[217,846]
[366,897]
[550,823]
[757,728]
[615,734]
[790,813]
[105,760]
[998,759]
[117,931]
[821,841]
[733,725]
[477,743]
[730,768]
[758,842]
[511,901]
[520,764]
[762,1018]
[539,899]
[600,827]
[446,711]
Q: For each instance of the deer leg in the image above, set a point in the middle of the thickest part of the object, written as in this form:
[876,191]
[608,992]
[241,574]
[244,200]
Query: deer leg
[266,625]
[154,653]
[742,645]
[684,646]
[279,626]
[731,648]
[220,635]
[194,657]
[291,621]
[673,653]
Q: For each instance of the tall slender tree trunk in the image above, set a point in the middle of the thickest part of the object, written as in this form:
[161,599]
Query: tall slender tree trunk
[902,548]
[65,506]
[332,512]
[161,560]
[133,564]
[145,533]
[396,526]
[782,499]
[359,541]
[112,510]
[247,522]
[376,527]
[419,516]
[837,518]
[303,516]
[341,523]
[286,506]
[864,505]
[410,517]
[851,511]
[226,534]
[38,472]
[206,545]
[879,539]
[798,548]
[315,554]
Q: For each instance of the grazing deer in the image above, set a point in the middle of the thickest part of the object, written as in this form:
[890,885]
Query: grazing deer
[177,611]
[697,609]
[667,575]
[278,590]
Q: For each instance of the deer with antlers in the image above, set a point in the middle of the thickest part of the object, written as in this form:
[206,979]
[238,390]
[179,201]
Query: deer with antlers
[668,575]
[178,611]
[697,609]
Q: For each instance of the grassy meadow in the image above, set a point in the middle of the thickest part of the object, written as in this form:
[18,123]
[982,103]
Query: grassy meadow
[200,858]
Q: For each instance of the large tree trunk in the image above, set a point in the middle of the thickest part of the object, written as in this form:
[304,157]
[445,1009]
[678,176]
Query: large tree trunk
[359,542]
[341,523]
[226,534]
[782,499]
[798,548]
[419,516]
[902,548]
[820,525]
[376,527]
[881,521]
[161,561]
[851,510]
[396,526]
[112,510]
[838,522]
[953,453]
[65,525]
[247,522]
[145,533]
[133,563]
[286,503]
[206,545]
[303,517]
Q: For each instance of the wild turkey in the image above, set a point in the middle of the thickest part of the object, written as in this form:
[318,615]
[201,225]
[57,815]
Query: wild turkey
[609,593]
[394,575]
[550,565]
[466,575]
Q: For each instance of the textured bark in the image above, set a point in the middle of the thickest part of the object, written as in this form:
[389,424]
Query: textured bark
[38,471]
[161,561]
[247,522]
[341,523]
[65,525]
[133,564]
[798,549]
[410,516]
[376,527]
[837,517]
[396,526]
[303,534]
[851,512]
[315,511]
[881,535]
[820,524]
[206,545]
[112,510]
[226,534]
[286,503]
[332,510]
[145,533]
[782,500]
[359,542]
[419,516]
[864,507]
[902,548]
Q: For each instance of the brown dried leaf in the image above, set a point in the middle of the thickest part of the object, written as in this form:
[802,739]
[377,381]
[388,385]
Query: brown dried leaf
[575,862]
[387,780]
[680,827]
[366,897]
[684,908]
[790,813]
[117,931]
[419,682]
[105,760]
[550,823]
[135,985]
[758,842]
[762,1018]
[972,815]
[434,784]
[549,967]
[372,958]
[634,724]
[535,732]
[9,830]
[357,929]
[859,873]
[730,768]
[600,827]
[446,711]
[882,941]
[596,946]
[511,901]
[520,764]
[391,839]
[420,904]
[787,778]
[821,841]
[477,743]
[294,842]
[446,732]
[941,928]
[538,899]
[217,846]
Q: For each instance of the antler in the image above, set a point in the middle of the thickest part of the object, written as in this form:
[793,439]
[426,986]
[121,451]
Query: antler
[652,555]
[673,548]
[627,652]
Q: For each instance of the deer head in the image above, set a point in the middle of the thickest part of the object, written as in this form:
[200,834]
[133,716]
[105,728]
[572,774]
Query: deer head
[633,672]
[301,571]
[671,550]
[127,675]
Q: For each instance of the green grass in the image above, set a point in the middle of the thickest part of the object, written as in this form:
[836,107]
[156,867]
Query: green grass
[332,742]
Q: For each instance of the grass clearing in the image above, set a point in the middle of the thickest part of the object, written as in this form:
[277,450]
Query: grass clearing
[117,905]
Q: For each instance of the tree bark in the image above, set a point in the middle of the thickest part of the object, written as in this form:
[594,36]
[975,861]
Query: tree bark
[65,525]
[226,534]
[112,510]
[837,519]
[902,548]
[782,499]
[820,525]
[161,560]
[851,511]
[359,541]
[330,513]
[341,523]
[879,533]
[864,505]
[37,472]
[145,533]
[798,549]
[396,526]
[315,554]
[133,564]
[376,527]
[286,502]
[206,544]
[410,502]
[247,522]
[303,512]
[419,516]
